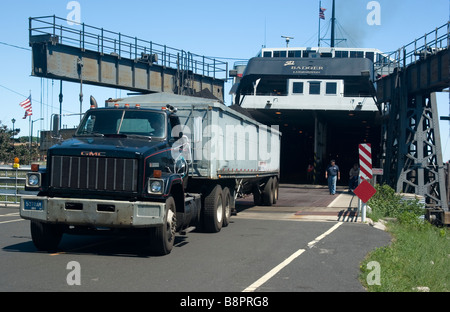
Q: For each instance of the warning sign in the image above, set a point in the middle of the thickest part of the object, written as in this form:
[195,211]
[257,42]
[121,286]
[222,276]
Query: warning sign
[365,191]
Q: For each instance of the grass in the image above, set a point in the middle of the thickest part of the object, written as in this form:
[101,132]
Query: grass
[419,255]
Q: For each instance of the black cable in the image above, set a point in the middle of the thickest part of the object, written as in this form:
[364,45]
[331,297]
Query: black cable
[14,46]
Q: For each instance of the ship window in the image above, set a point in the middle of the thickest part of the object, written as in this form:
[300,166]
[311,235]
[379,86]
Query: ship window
[295,54]
[382,59]
[370,56]
[309,53]
[268,54]
[326,54]
[341,54]
[314,87]
[331,88]
[356,54]
[297,88]
[279,53]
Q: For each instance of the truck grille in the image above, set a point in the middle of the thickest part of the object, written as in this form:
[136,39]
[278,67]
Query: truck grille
[94,173]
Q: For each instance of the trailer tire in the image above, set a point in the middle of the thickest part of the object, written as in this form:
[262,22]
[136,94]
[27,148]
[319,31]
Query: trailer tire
[276,186]
[268,193]
[213,210]
[257,196]
[226,206]
[45,236]
[163,237]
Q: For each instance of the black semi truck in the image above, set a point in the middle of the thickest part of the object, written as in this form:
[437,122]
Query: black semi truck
[155,165]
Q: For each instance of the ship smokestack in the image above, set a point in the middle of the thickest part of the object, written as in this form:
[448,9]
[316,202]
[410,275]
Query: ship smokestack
[333,22]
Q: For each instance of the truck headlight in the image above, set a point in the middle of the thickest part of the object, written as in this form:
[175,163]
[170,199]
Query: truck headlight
[155,186]
[33,180]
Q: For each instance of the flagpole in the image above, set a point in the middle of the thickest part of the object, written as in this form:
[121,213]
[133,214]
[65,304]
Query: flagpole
[30,126]
[29,129]
[320,8]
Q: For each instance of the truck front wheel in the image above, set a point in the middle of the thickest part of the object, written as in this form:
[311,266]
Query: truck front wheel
[213,210]
[163,237]
[46,237]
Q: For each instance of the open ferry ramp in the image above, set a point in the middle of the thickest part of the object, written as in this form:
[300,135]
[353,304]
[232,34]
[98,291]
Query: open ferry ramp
[304,202]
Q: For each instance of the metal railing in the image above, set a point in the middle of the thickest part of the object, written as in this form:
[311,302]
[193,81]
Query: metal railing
[419,49]
[103,41]
[12,185]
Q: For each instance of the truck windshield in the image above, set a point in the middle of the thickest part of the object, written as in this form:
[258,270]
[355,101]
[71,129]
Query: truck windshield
[123,122]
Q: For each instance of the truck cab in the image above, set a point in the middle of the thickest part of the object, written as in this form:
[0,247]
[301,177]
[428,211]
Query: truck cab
[116,172]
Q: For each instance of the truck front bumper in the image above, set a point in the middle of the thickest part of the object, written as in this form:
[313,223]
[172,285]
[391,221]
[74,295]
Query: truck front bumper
[92,212]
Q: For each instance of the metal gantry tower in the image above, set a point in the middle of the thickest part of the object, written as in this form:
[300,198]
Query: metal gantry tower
[412,159]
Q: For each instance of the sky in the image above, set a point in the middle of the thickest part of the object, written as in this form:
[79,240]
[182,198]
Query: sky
[231,30]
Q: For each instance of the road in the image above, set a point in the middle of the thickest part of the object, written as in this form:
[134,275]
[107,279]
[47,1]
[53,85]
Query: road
[264,249]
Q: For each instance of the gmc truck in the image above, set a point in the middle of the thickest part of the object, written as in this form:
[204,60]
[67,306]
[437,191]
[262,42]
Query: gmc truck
[156,165]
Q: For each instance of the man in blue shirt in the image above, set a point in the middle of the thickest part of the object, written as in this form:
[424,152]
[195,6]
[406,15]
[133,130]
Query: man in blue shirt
[332,174]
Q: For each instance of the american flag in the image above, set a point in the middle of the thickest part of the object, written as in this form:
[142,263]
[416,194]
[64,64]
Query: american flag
[27,106]
[322,13]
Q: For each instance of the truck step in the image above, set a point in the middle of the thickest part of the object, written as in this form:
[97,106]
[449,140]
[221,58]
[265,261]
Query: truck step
[187,230]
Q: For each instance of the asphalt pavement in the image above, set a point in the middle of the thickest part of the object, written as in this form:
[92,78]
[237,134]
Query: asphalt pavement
[265,249]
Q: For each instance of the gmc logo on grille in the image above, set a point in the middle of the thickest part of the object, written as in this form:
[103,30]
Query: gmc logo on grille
[93,154]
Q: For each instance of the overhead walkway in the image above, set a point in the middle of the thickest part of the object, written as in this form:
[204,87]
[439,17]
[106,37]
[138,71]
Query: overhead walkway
[92,55]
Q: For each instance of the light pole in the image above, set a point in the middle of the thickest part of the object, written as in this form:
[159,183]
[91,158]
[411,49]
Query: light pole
[14,134]
[31,137]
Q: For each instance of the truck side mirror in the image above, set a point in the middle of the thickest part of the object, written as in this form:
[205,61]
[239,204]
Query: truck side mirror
[55,129]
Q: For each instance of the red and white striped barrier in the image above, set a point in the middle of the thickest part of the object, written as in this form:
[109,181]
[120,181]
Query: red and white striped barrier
[365,161]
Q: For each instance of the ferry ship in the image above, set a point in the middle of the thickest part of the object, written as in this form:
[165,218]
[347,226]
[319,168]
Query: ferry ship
[322,99]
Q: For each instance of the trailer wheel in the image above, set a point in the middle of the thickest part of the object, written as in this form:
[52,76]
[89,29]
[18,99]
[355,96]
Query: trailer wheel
[163,237]
[276,186]
[226,206]
[46,237]
[213,210]
[268,193]
[257,196]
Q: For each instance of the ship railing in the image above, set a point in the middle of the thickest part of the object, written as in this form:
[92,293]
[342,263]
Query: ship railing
[429,44]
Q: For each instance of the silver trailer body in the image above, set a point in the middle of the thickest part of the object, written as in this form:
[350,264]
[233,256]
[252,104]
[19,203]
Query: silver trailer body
[219,142]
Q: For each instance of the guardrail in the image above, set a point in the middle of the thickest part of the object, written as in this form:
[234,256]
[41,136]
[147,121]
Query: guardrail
[419,49]
[12,185]
[104,41]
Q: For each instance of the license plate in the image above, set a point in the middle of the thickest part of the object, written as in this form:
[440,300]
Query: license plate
[33,205]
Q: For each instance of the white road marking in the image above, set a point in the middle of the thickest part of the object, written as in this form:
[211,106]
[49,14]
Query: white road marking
[312,243]
[13,214]
[291,258]
[334,201]
[17,220]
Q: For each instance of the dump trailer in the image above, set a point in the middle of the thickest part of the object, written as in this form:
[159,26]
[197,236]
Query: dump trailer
[153,165]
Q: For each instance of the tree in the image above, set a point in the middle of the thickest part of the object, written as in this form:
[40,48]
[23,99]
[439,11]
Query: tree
[9,150]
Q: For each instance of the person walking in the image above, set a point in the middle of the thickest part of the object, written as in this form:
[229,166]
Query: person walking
[354,175]
[332,174]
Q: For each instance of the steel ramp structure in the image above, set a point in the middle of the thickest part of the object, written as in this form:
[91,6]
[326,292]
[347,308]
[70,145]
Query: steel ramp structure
[412,159]
[92,55]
